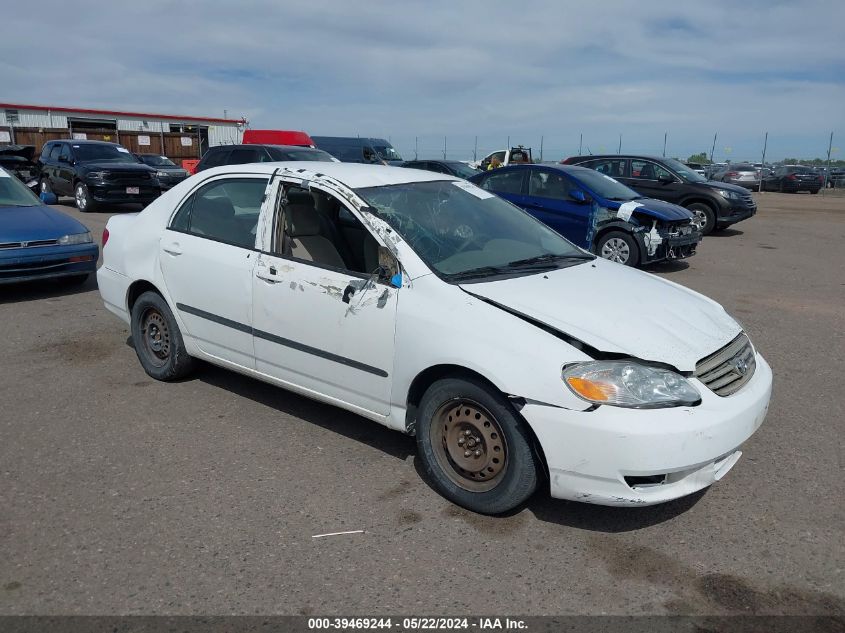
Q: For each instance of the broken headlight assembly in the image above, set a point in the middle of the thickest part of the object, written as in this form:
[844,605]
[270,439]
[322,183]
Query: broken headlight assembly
[629,384]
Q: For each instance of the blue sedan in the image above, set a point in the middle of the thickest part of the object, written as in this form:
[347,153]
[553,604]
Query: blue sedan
[597,212]
[39,242]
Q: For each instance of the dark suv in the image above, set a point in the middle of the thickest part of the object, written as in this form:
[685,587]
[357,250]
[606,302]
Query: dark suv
[715,205]
[241,154]
[96,173]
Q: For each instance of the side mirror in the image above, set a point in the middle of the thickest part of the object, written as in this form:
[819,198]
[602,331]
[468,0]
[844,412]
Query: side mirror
[579,196]
[666,179]
[64,159]
[48,197]
[389,271]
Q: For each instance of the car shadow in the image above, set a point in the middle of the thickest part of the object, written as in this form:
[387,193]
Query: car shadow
[44,289]
[668,266]
[726,233]
[326,416]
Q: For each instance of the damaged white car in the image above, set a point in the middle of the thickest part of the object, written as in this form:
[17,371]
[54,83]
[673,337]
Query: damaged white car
[433,307]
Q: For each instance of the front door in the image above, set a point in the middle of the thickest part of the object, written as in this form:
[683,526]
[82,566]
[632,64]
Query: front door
[549,200]
[653,181]
[207,256]
[318,324]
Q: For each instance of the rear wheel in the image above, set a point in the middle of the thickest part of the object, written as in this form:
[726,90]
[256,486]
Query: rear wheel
[703,217]
[619,247]
[474,448]
[44,185]
[157,339]
[84,201]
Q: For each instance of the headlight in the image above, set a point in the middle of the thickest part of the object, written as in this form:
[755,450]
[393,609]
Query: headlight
[97,175]
[76,238]
[162,174]
[730,195]
[629,384]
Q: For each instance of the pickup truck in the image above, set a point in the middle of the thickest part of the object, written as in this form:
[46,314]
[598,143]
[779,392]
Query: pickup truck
[513,156]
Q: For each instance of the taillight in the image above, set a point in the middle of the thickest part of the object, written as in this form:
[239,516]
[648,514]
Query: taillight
[732,174]
[105,237]
[565,161]
[791,177]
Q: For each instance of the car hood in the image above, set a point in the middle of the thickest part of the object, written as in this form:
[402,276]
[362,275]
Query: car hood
[116,167]
[39,222]
[659,209]
[619,310]
[715,184]
[24,151]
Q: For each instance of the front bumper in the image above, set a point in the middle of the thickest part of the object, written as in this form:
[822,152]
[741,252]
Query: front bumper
[115,193]
[26,264]
[590,454]
[736,213]
[676,247]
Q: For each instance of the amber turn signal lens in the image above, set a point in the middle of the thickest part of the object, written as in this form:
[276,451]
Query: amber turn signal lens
[591,390]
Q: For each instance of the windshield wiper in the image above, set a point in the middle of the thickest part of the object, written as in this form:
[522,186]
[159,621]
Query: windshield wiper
[547,259]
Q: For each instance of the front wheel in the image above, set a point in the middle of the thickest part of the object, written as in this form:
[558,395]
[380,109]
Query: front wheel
[703,217]
[619,247]
[157,339]
[84,201]
[474,449]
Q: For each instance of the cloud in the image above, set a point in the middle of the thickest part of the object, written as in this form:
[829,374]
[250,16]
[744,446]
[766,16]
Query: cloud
[417,69]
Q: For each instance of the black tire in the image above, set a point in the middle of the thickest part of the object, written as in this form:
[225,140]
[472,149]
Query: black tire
[814,191]
[84,202]
[497,433]
[157,339]
[782,189]
[705,216]
[612,245]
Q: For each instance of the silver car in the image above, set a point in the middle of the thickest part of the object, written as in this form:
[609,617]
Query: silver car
[743,175]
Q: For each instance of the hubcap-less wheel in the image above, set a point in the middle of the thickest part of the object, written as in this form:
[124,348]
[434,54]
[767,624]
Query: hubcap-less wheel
[469,445]
[156,337]
[616,250]
[81,198]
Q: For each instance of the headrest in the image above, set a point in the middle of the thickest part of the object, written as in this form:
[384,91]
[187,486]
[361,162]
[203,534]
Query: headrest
[302,220]
[220,206]
[300,197]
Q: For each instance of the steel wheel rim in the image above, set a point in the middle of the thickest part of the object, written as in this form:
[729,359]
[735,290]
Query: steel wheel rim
[469,445]
[44,187]
[155,337]
[81,200]
[616,250]
[699,219]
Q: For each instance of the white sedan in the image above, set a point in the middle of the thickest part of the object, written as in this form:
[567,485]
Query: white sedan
[437,309]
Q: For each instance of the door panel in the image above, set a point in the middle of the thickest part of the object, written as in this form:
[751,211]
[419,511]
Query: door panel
[326,331]
[211,285]
[549,201]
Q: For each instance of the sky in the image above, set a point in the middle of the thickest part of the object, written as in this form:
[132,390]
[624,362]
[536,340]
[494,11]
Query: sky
[425,74]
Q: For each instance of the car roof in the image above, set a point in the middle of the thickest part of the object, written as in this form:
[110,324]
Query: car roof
[298,148]
[574,170]
[83,142]
[598,156]
[353,175]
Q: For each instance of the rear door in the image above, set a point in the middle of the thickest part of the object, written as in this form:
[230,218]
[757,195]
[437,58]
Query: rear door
[63,182]
[549,200]
[508,184]
[207,256]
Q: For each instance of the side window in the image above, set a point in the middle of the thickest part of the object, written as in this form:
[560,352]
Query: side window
[437,167]
[55,151]
[646,170]
[242,156]
[613,167]
[504,181]
[223,210]
[215,158]
[65,151]
[45,151]
[545,184]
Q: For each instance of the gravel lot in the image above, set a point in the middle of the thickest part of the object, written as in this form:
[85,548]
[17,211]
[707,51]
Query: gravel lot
[121,495]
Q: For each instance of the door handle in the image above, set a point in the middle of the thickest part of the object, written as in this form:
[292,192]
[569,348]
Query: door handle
[269,276]
[347,293]
[172,248]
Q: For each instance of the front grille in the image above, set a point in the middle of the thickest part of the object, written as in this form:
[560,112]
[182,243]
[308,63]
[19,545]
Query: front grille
[31,244]
[726,371]
[126,177]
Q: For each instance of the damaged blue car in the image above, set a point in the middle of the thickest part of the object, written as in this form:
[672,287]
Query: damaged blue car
[597,212]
